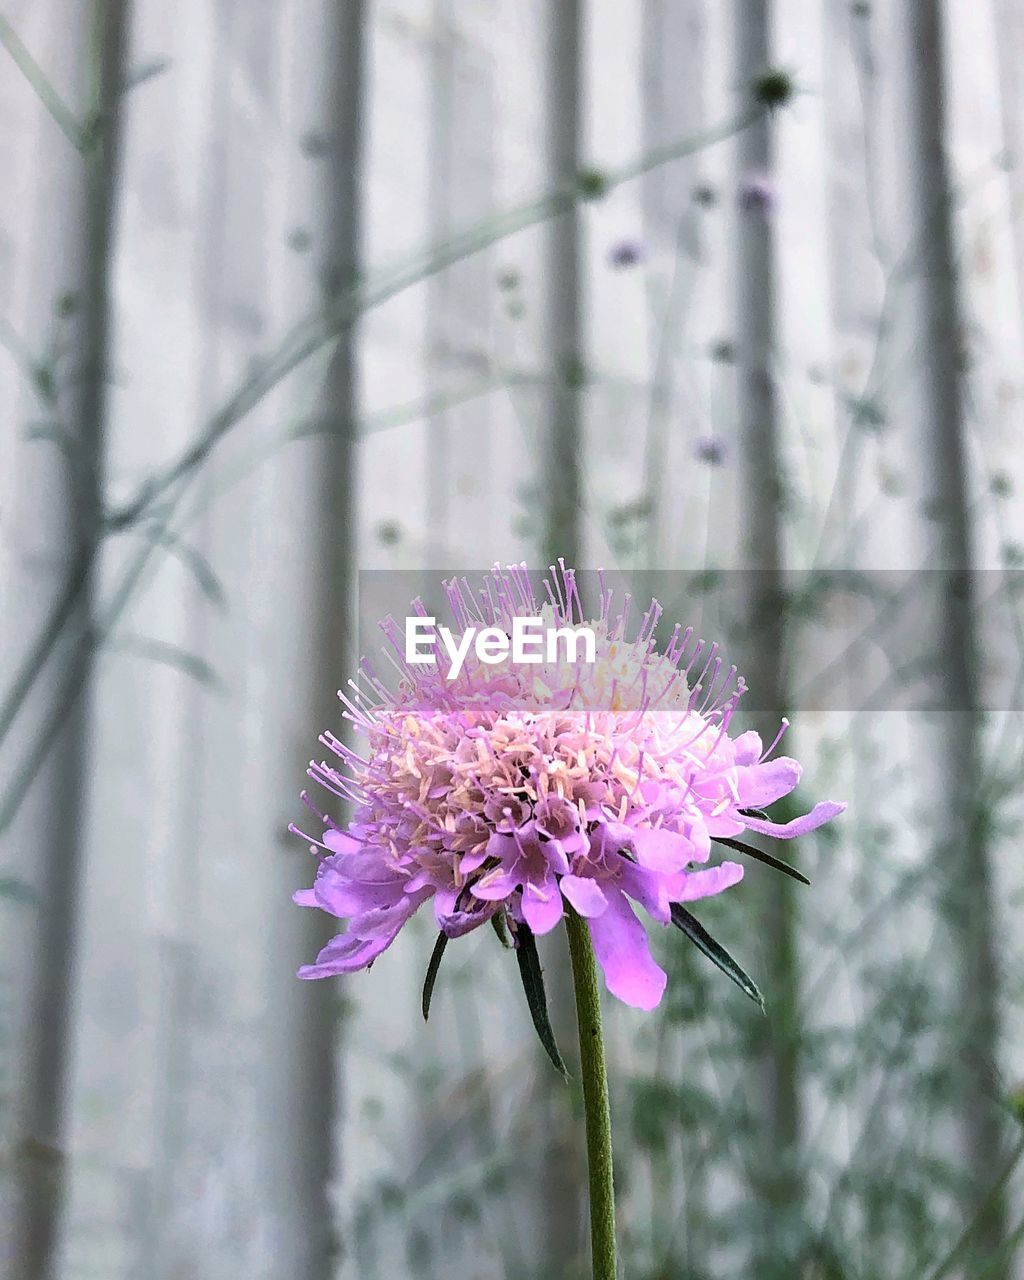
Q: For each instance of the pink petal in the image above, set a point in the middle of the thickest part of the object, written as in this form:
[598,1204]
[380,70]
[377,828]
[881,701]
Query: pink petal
[542,906]
[649,888]
[386,919]
[747,748]
[697,833]
[610,836]
[341,842]
[473,860]
[419,880]
[444,904]
[620,942]
[725,824]
[501,846]
[759,784]
[345,954]
[305,898]
[822,812]
[555,855]
[584,894]
[704,884]
[367,865]
[343,897]
[462,922]
[662,850]
[497,884]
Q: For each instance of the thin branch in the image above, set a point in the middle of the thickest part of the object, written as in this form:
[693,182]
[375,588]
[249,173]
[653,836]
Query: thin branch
[303,342]
[944,1266]
[44,90]
[22,775]
[313,333]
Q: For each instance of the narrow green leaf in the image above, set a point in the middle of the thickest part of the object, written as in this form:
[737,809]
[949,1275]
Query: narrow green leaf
[498,925]
[767,858]
[52,433]
[432,968]
[193,560]
[171,655]
[147,71]
[18,351]
[533,985]
[42,87]
[45,383]
[715,952]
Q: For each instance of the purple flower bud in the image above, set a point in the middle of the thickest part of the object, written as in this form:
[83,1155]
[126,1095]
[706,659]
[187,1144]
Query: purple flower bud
[626,254]
[711,450]
[757,193]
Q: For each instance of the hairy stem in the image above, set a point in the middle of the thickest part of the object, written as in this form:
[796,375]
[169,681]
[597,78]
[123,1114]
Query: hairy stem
[595,1097]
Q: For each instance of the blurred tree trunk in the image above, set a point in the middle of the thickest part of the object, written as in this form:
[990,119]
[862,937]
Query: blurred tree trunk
[563,462]
[461,193]
[857,261]
[563,1179]
[51,850]
[218,1056]
[460,520]
[961,821]
[441,208]
[1009,19]
[774,1160]
[674,57]
[246,1101]
[303,1101]
[675,51]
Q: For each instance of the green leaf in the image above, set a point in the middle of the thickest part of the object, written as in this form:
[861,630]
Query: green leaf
[715,952]
[147,71]
[432,968]
[171,655]
[54,433]
[45,383]
[533,984]
[42,87]
[767,858]
[498,925]
[193,560]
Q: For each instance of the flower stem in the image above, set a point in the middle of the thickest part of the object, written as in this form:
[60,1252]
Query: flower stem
[595,1097]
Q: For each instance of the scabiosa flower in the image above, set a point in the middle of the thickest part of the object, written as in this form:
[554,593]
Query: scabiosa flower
[515,793]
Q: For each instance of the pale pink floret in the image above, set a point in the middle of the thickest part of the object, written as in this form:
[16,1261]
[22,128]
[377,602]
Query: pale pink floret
[516,791]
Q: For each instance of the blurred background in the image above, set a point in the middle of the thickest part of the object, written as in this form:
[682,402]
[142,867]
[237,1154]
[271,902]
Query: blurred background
[294,289]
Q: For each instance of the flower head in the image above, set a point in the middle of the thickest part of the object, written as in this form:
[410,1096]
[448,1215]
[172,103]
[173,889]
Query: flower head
[519,792]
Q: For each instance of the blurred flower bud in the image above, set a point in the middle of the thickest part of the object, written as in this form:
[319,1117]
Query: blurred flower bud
[626,254]
[774,87]
[711,450]
[757,193]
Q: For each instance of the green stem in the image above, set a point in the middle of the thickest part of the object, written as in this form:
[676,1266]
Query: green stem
[595,1097]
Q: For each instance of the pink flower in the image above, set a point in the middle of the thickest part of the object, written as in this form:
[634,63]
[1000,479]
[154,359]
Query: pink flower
[516,791]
